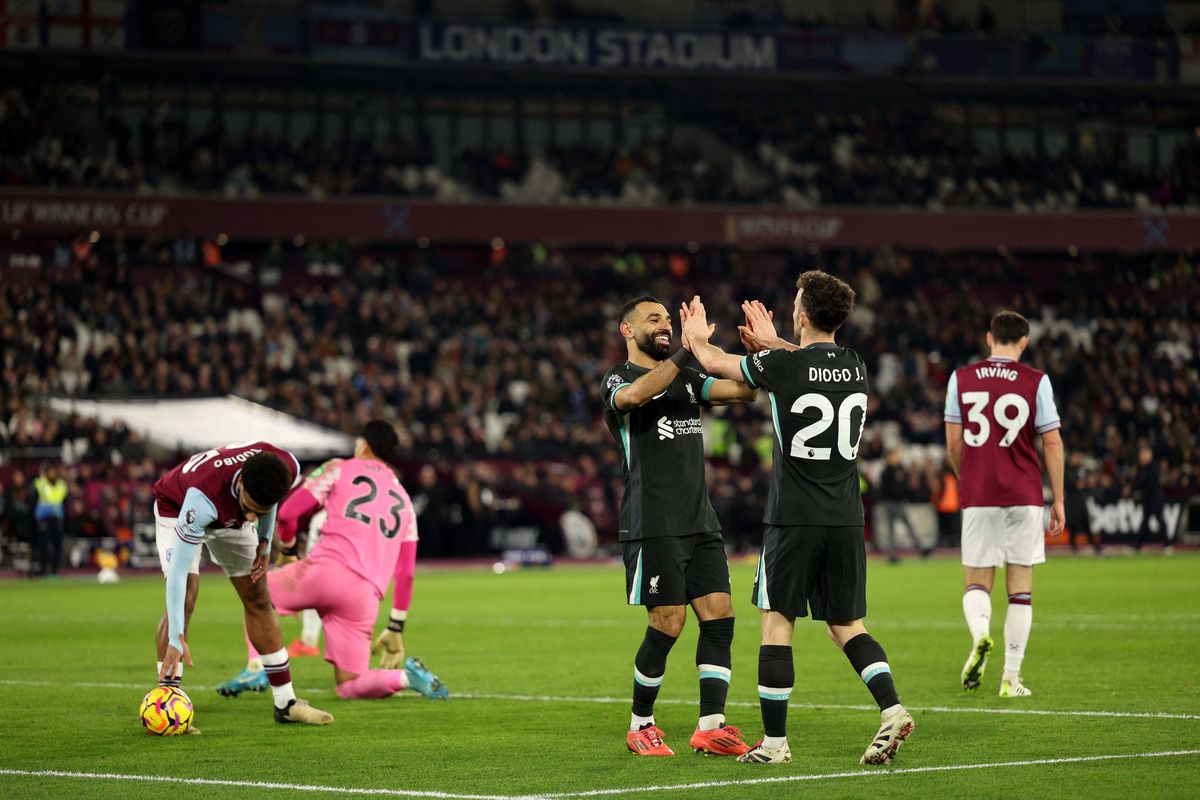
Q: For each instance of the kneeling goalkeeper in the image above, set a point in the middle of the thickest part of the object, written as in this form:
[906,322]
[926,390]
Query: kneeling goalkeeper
[369,536]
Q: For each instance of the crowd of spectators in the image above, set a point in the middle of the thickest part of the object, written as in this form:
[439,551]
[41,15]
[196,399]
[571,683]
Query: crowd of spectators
[915,158]
[797,159]
[104,505]
[870,158]
[491,360]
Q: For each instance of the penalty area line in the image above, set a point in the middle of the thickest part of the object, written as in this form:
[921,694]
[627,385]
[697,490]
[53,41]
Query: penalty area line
[303,787]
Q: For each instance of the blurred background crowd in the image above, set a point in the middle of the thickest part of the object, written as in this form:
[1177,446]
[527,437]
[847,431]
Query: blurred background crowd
[914,156]
[502,376]
[488,353]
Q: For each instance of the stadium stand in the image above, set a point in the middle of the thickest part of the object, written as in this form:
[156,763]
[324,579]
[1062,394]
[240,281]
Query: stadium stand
[923,157]
[494,376]
[489,353]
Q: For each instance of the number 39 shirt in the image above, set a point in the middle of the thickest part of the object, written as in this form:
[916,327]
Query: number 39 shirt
[819,404]
[1002,405]
[369,515]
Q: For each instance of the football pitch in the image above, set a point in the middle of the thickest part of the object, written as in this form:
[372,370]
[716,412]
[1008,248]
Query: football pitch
[539,665]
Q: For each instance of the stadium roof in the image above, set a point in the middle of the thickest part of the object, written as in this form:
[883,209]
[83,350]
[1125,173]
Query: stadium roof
[198,424]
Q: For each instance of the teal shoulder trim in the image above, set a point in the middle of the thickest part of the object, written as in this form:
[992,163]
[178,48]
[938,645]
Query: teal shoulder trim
[746,372]
[612,398]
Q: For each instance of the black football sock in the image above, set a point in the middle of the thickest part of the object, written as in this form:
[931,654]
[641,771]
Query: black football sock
[648,669]
[713,661]
[776,675]
[870,662]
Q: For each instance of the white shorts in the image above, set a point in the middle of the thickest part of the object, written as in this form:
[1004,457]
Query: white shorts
[993,536]
[234,549]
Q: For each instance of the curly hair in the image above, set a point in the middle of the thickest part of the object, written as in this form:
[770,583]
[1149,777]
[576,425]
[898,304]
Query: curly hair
[381,437]
[265,478]
[827,300]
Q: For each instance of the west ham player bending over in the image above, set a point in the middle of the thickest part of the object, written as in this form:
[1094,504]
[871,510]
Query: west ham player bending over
[996,408]
[369,536]
[674,553]
[226,500]
[814,551]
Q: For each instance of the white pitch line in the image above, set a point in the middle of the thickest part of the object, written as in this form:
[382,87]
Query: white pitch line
[1081,622]
[865,773]
[836,706]
[1087,622]
[298,787]
[673,701]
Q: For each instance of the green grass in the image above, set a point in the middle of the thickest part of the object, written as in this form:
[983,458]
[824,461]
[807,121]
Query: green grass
[1114,635]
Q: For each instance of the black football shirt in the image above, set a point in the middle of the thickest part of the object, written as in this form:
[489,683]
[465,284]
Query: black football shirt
[662,453]
[818,403]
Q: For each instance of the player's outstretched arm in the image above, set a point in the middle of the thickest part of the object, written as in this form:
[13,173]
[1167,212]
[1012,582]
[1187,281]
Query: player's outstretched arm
[724,392]
[696,333]
[391,640]
[177,572]
[1055,456]
[406,565]
[196,514]
[174,657]
[295,513]
[650,385]
[758,333]
[266,529]
[266,524]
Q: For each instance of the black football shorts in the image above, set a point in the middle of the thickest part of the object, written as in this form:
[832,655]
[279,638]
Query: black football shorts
[813,567]
[675,570]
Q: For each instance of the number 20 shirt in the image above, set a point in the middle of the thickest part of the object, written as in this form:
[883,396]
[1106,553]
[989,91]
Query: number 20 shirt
[819,404]
[1002,405]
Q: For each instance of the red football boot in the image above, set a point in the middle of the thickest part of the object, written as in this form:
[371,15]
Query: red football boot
[723,741]
[648,742]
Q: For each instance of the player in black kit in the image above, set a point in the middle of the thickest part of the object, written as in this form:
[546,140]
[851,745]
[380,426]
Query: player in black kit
[813,555]
[674,553]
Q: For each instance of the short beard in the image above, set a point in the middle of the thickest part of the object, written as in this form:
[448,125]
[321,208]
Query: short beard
[648,346]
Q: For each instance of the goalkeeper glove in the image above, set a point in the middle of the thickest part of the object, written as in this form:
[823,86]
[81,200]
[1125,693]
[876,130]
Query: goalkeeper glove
[392,643]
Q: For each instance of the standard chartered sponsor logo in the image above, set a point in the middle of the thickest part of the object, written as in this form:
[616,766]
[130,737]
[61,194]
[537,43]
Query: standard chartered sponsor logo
[669,429]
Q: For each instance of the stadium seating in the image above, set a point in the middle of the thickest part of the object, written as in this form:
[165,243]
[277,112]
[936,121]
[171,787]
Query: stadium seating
[507,371]
[916,157]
